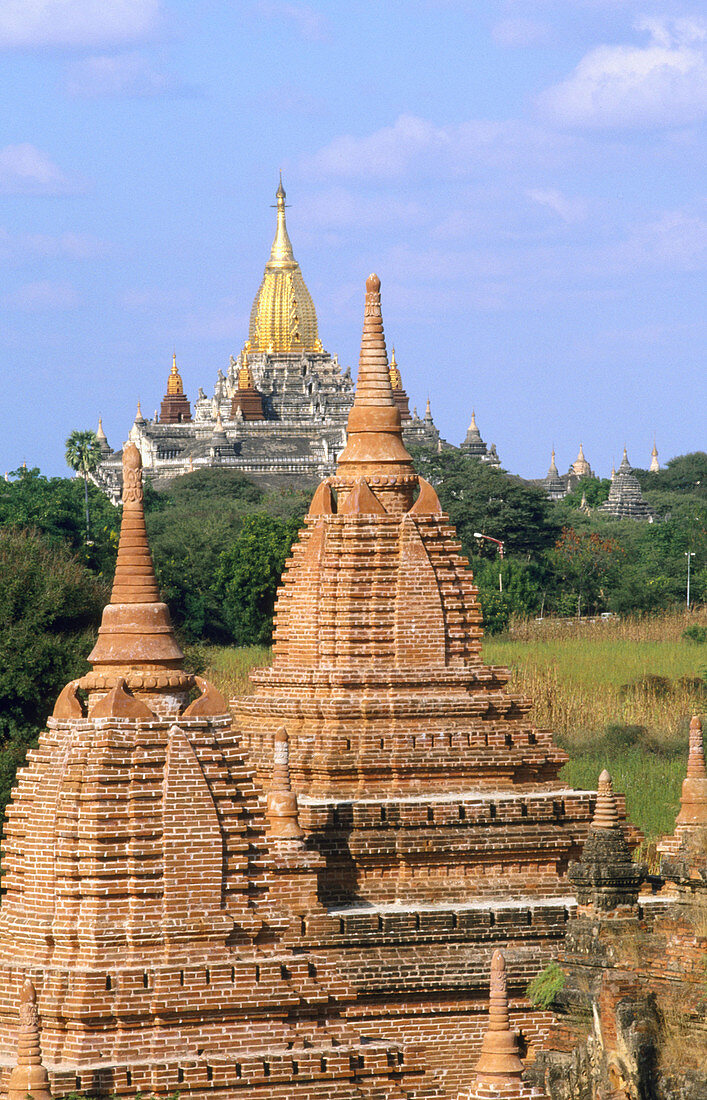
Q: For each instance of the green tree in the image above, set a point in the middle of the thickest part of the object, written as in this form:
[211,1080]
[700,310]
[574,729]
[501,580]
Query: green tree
[55,506]
[585,563]
[249,574]
[50,606]
[481,498]
[83,455]
[595,491]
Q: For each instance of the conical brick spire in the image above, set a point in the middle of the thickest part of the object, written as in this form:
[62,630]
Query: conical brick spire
[29,1077]
[136,630]
[693,800]
[282,800]
[605,813]
[499,1050]
[375,440]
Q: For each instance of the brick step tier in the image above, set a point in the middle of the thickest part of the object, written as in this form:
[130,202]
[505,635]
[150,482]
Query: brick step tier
[307,1071]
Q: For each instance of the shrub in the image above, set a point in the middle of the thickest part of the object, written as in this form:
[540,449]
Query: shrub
[696,634]
[546,985]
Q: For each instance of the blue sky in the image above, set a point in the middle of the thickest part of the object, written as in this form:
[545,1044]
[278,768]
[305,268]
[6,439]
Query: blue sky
[527,177]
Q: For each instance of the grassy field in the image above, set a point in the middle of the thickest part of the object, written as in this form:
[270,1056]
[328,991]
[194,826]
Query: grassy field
[618,694]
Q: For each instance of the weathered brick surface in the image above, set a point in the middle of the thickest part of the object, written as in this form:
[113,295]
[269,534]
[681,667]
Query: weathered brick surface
[435,804]
[156,911]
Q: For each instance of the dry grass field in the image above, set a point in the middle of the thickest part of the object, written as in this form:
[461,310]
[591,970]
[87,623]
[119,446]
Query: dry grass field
[617,693]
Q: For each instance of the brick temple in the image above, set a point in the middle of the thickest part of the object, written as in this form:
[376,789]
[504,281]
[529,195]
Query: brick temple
[305,902]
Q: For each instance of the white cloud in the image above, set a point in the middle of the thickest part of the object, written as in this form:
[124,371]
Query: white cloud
[519,32]
[71,246]
[128,74]
[305,20]
[340,208]
[570,210]
[29,24]
[26,170]
[675,241]
[663,83]
[415,145]
[40,296]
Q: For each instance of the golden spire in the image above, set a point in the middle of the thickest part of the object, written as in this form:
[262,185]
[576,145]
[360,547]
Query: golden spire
[283,318]
[100,434]
[138,415]
[396,380]
[655,465]
[374,443]
[245,376]
[174,382]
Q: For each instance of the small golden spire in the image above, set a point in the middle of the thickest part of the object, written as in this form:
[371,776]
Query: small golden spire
[138,414]
[281,253]
[396,380]
[245,376]
[174,382]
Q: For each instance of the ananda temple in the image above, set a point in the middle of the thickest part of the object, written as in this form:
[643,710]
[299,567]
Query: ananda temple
[339,886]
[278,411]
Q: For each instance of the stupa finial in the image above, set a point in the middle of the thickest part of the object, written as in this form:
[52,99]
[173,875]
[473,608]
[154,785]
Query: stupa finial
[693,800]
[375,439]
[29,1077]
[605,813]
[500,1056]
[283,823]
[136,629]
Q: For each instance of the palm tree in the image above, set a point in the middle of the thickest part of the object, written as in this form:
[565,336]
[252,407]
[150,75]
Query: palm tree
[83,455]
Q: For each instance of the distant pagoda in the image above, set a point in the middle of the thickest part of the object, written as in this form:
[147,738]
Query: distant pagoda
[625,498]
[474,445]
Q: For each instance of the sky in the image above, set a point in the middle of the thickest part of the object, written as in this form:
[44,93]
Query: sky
[527,178]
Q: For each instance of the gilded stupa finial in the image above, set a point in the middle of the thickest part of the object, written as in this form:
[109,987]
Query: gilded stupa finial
[396,380]
[174,382]
[283,318]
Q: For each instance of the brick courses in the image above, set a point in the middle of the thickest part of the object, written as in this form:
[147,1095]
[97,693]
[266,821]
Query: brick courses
[145,901]
[444,829]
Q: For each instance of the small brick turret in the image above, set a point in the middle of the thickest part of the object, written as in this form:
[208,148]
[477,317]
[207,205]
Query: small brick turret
[606,878]
[29,1078]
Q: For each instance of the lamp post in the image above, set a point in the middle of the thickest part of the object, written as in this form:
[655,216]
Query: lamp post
[499,544]
[688,554]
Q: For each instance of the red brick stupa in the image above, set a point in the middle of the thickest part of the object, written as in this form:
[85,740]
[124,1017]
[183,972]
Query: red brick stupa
[435,803]
[155,901]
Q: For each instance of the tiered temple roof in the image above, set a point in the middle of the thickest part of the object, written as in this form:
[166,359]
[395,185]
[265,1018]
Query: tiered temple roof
[625,497]
[474,445]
